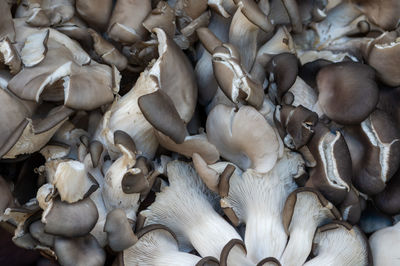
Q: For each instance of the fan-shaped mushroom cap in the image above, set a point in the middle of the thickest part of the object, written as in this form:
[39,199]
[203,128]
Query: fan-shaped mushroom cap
[126,27]
[347,92]
[282,70]
[36,229]
[163,17]
[383,245]
[387,201]
[80,251]
[108,53]
[229,129]
[70,220]
[378,158]
[234,81]
[384,13]
[305,210]
[119,231]
[157,245]
[95,13]
[383,56]
[333,172]
[339,243]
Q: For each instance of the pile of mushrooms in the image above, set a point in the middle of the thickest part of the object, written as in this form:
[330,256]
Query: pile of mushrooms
[194,132]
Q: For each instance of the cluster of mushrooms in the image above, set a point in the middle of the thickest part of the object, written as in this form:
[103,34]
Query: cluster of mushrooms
[194,132]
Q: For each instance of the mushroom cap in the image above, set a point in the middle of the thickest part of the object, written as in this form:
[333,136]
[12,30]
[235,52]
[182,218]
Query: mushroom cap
[347,92]
[341,243]
[387,201]
[119,231]
[282,69]
[314,200]
[70,220]
[79,251]
[95,13]
[125,24]
[229,130]
[158,108]
[383,245]
[380,137]
[163,16]
[157,245]
[384,57]
[384,13]
[333,173]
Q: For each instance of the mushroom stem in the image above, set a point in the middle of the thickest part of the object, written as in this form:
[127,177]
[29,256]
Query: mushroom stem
[300,243]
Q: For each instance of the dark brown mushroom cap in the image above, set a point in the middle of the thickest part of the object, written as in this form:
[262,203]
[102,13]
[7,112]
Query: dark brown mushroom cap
[348,92]
[388,102]
[176,77]
[163,17]
[137,183]
[333,173]
[95,13]
[321,201]
[298,123]
[80,251]
[234,243]
[384,13]
[270,261]
[70,220]
[124,139]
[380,138]
[308,72]
[120,235]
[388,200]
[383,54]
[281,69]
[95,150]
[125,24]
[160,112]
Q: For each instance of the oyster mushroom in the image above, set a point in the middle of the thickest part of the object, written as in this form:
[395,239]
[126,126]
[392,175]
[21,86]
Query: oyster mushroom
[305,210]
[228,130]
[119,231]
[333,173]
[95,13]
[157,245]
[383,243]
[80,251]
[339,243]
[244,197]
[181,89]
[374,148]
[126,27]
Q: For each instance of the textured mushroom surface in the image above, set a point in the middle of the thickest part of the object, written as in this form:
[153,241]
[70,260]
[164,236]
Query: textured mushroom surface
[201,132]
